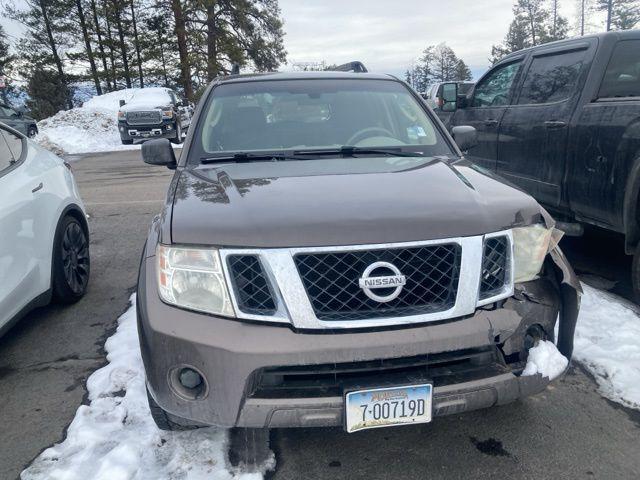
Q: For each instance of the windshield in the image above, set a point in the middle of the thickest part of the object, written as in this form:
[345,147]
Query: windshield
[315,114]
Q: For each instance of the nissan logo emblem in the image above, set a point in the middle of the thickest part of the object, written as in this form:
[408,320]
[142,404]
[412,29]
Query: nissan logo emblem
[369,283]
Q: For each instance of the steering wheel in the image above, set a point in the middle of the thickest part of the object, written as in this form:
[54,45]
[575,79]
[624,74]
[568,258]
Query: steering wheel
[368,132]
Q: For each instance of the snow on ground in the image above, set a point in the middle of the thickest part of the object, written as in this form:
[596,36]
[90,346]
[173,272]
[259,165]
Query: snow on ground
[94,126]
[546,360]
[114,437]
[607,343]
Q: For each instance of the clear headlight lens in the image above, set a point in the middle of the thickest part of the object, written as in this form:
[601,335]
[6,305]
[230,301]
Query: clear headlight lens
[530,247]
[167,114]
[193,278]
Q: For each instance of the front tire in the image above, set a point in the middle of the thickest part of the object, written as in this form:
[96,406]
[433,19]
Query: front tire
[248,448]
[635,274]
[32,132]
[161,418]
[71,261]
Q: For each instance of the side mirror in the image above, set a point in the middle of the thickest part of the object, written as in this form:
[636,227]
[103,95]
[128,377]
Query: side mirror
[465,136]
[449,97]
[122,103]
[159,152]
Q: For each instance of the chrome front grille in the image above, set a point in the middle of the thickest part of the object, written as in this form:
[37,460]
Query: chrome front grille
[151,117]
[331,281]
[322,287]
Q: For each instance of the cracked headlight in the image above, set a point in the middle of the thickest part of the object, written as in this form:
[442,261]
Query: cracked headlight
[193,278]
[530,247]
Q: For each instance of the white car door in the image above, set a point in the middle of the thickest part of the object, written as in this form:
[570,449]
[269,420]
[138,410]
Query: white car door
[20,278]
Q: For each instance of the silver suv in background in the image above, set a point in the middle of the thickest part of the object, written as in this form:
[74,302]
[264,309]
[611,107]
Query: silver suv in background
[327,257]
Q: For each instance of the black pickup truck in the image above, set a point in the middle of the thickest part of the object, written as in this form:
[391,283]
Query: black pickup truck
[562,121]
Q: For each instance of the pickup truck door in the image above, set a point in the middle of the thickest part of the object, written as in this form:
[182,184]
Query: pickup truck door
[605,142]
[533,134]
[485,109]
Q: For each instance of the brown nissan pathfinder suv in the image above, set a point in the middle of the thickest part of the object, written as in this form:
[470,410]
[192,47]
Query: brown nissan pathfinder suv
[326,256]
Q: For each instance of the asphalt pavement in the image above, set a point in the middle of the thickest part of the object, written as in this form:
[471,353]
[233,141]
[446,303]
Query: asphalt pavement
[568,431]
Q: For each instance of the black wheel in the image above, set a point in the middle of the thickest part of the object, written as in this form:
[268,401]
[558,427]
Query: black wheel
[635,274]
[161,418]
[32,132]
[178,137]
[248,448]
[127,142]
[71,262]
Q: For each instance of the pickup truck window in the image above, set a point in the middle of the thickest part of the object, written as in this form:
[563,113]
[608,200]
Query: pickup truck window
[622,78]
[282,115]
[494,90]
[552,78]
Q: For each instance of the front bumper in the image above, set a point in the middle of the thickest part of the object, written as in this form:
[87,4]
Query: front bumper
[231,355]
[166,129]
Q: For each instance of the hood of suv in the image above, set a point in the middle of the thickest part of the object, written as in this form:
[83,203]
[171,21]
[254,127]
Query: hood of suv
[341,202]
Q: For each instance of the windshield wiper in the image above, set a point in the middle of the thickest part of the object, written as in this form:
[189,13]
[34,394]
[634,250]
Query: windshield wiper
[247,157]
[350,151]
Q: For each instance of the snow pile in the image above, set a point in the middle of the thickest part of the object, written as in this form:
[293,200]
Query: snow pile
[114,437]
[607,343]
[546,360]
[94,126]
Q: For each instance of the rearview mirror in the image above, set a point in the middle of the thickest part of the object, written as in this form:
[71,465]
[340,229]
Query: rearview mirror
[466,137]
[159,152]
[449,97]
[122,103]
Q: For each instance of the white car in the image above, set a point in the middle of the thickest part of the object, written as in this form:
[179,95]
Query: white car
[44,236]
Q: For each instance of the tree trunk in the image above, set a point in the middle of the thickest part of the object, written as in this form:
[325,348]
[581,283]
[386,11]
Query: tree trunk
[212,54]
[123,47]
[181,34]
[87,43]
[609,9]
[103,57]
[164,62]
[112,56]
[555,18]
[54,51]
[533,27]
[582,15]
[137,43]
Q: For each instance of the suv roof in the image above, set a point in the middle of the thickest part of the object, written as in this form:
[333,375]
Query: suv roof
[253,77]
[604,36]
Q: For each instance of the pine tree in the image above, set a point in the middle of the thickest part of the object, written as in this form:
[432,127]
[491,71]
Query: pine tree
[49,28]
[47,92]
[6,61]
[462,72]
[621,14]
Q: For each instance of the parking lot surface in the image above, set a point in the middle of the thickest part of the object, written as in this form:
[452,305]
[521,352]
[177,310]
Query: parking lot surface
[568,431]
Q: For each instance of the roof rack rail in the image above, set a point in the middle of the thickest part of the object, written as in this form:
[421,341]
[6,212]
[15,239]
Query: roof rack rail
[355,67]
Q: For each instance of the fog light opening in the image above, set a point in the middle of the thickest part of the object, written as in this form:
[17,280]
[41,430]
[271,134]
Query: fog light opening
[188,383]
[534,334]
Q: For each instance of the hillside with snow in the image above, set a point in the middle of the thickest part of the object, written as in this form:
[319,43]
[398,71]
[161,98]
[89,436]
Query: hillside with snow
[94,126]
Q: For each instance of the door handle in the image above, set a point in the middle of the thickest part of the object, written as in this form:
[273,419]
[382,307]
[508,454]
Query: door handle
[553,124]
[38,187]
[490,122]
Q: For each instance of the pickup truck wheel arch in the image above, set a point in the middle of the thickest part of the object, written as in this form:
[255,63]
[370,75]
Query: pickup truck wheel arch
[631,208]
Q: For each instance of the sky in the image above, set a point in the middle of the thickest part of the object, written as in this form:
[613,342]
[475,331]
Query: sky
[388,35]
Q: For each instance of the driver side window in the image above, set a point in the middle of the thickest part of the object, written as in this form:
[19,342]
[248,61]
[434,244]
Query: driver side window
[494,89]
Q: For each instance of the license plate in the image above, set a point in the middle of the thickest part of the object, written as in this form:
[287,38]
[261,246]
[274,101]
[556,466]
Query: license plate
[386,407]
